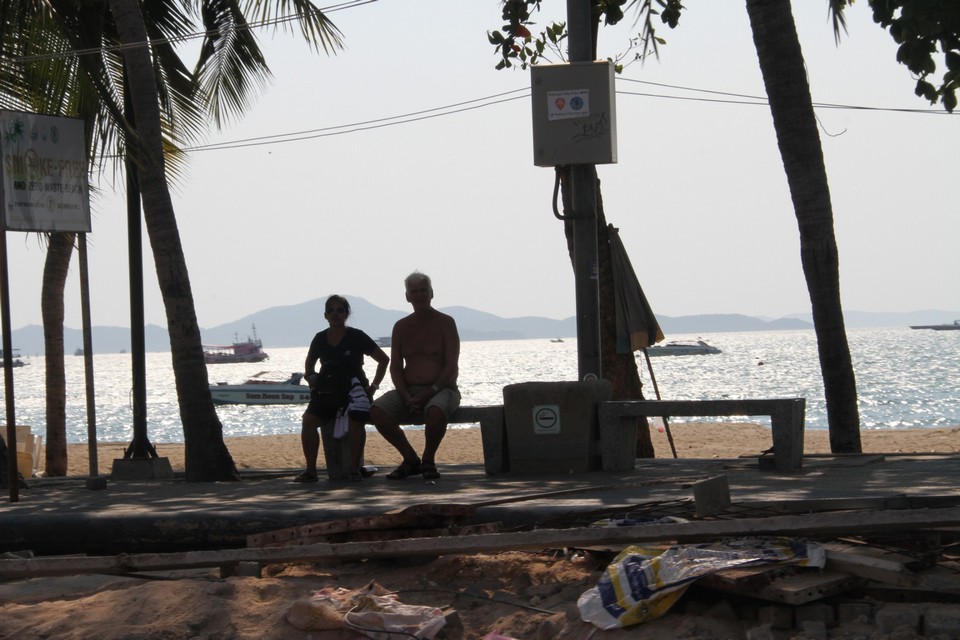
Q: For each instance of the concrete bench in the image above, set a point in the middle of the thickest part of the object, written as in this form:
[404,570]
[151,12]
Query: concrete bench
[492,434]
[786,422]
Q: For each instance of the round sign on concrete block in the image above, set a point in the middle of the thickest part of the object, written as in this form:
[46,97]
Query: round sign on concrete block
[546,418]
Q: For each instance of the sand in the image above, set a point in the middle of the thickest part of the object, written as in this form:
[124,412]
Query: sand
[516,594]
[463,446]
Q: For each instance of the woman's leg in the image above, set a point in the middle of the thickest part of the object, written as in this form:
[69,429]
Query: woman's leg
[310,441]
[358,440]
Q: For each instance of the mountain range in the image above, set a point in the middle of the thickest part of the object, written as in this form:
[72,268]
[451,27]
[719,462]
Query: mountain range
[295,325]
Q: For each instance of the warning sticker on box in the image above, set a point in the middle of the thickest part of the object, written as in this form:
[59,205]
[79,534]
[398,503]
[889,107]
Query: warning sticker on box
[546,419]
[562,105]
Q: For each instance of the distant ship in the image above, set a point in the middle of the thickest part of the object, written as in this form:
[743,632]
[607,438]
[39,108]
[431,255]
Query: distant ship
[939,327]
[249,350]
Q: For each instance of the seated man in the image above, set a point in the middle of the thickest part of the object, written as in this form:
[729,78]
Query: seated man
[425,350]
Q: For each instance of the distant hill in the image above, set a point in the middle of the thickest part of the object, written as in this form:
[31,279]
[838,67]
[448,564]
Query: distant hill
[295,325]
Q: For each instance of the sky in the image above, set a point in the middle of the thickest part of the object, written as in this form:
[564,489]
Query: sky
[350,202]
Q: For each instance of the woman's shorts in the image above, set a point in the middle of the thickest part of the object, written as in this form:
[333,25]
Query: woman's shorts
[358,408]
[447,400]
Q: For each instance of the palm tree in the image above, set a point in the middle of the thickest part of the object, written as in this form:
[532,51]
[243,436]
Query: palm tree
[781,63]
[785,79]
[164,92]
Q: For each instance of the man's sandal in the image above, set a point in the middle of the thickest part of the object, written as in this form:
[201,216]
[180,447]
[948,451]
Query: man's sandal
[430,471]
[405,470]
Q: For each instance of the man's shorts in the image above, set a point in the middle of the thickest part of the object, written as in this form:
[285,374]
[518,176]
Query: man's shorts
[447,400]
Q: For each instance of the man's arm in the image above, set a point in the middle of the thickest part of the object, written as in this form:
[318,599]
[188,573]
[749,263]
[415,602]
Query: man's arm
[451,355]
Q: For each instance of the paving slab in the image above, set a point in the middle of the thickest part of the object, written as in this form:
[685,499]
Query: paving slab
[61,515]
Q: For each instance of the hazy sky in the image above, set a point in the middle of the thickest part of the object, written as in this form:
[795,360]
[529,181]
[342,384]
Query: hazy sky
[355,202]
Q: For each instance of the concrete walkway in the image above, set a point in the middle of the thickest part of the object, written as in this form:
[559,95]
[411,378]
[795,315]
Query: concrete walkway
[60,515]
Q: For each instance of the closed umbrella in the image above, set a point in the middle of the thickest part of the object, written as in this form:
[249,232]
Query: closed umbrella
[637,326]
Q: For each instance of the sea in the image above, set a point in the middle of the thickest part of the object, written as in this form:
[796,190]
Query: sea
[905,379]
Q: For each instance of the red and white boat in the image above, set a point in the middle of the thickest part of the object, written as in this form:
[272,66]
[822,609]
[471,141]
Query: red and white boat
[249,350]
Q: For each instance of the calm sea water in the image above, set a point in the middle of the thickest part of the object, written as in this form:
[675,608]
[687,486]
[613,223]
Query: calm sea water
[905,379]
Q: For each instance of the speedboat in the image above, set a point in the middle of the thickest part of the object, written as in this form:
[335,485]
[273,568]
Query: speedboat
[683,348]
[263,388]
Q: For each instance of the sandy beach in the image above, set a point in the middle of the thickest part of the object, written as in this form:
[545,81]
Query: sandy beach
[463,446]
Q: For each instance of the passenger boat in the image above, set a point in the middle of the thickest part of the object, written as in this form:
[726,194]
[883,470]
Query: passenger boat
[939,327]
[683,348]
[266,387]
[383,342]
[249,350]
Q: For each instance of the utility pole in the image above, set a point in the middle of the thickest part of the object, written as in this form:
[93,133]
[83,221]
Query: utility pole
[583,186]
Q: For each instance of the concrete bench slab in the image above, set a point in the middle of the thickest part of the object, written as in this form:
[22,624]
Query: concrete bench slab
[786,422]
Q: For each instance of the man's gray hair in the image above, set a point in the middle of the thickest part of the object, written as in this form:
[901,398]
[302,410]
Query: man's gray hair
[416,277]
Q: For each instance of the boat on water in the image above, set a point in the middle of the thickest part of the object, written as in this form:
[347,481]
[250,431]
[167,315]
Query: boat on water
[266,387]
[383,341]
[15,359]
[939,327]
[683,348]
[556,340]
[249,350]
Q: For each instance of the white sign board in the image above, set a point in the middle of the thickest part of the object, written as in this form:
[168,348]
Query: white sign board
[44,173]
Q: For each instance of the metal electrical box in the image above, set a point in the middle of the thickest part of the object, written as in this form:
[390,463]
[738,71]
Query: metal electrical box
[574,114]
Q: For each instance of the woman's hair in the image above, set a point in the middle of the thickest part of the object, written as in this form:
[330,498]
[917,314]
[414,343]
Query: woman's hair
[335,299]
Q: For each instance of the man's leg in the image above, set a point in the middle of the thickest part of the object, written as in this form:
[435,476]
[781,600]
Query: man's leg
[392,433]
[434,428]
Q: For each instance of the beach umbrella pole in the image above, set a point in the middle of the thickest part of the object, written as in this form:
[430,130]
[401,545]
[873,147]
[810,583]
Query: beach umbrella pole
[656,390]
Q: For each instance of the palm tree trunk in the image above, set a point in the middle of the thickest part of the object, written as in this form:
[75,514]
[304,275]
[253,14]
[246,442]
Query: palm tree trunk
[784,76]
[206,455]
[55,268]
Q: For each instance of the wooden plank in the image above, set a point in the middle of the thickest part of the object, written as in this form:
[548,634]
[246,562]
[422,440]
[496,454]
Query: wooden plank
[793,525]
[889,570]
[861,502]
[418,515]
[799,587]
[808,586]
[396,534]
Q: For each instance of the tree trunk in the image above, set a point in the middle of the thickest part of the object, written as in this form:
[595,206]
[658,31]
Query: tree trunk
[206,455]
[619,368]
[784,76]
[55,269]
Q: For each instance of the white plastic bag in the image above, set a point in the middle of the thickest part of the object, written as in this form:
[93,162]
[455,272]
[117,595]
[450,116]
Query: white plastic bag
[642,584]
[383,617]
